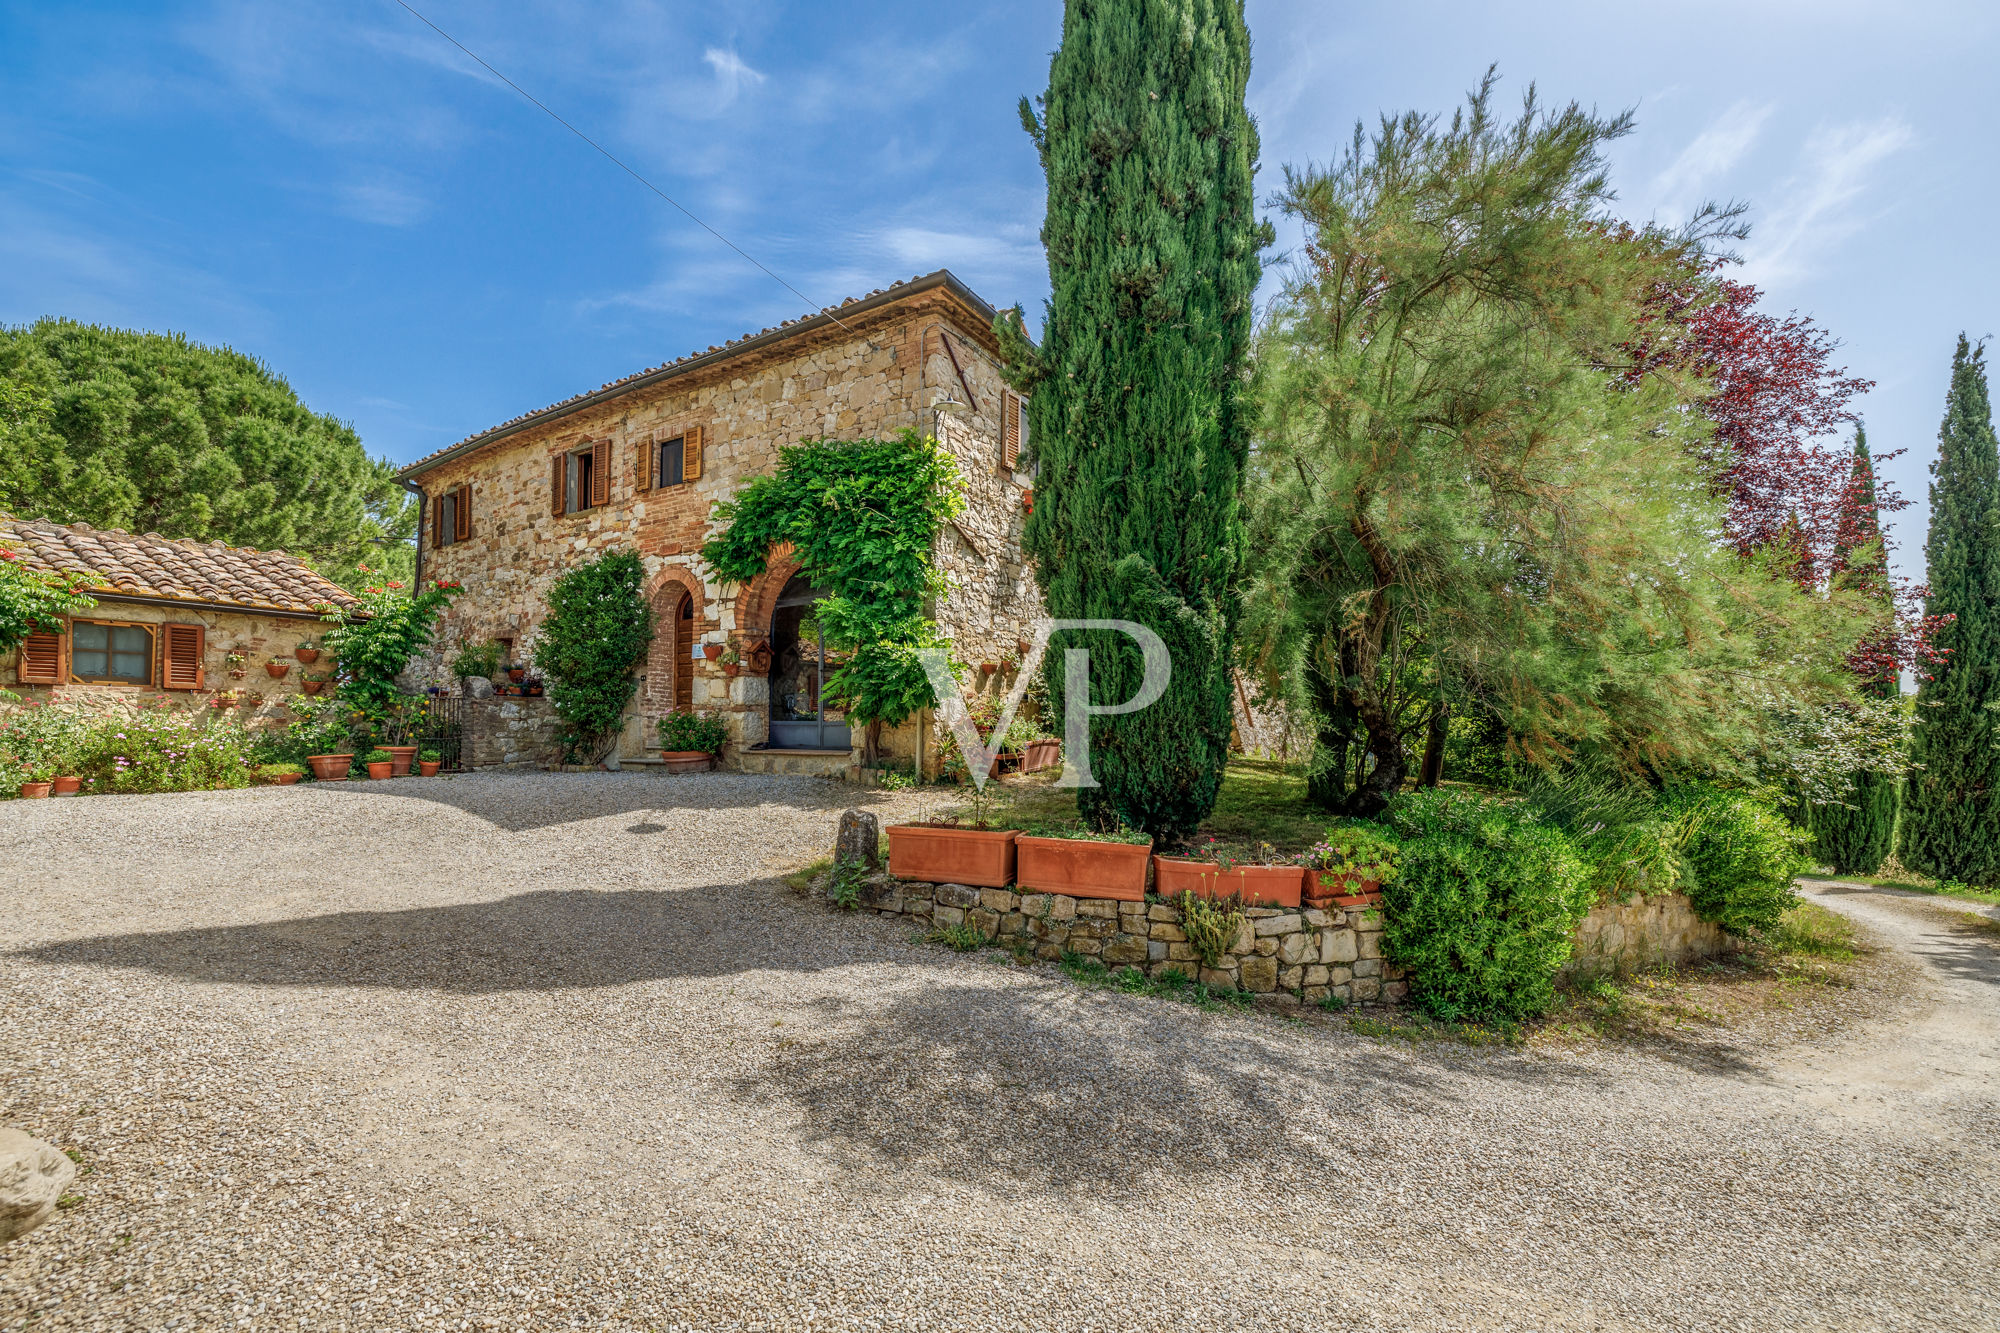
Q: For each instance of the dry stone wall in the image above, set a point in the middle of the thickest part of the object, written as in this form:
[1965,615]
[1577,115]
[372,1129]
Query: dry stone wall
[1641,932]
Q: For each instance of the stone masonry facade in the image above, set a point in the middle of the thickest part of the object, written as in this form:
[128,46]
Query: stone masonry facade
[883,367]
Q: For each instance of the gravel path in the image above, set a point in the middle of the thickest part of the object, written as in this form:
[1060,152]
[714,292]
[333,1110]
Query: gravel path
[555,1051]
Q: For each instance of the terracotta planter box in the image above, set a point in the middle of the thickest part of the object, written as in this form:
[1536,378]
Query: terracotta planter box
[400,759]
[686,761]
[306,655]
[1257,886]
[36,791]
[1083,869]
[1340,888]
[1040,755]
[277,670]
[67,786]
[429,767]
[284,779]
[330,767]
[982,858]
[380,772]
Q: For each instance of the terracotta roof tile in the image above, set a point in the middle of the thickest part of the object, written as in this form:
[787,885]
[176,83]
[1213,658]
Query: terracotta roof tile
[557,409]
[179,571]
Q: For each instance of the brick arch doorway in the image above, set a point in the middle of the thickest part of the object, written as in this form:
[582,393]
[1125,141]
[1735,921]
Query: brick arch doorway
[800,717]
[670,671]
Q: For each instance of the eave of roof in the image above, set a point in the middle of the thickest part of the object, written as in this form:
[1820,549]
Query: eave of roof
[805,324]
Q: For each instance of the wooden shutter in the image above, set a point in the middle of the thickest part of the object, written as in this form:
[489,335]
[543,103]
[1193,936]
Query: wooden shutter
[435,503]
[181,651]
[643,465]
[462,519]
[1010,431]
[41,660]
[561,462]
[600,472]
[691,454]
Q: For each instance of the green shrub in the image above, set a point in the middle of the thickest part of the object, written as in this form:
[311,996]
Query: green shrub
[1738,857]
[1361,849]
[590,644]
[430,757]
[693,731]
[268,772]
[481,659]
[1483,907]
[162,748]
[377,757]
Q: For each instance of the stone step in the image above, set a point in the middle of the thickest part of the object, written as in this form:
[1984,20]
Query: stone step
[806,763]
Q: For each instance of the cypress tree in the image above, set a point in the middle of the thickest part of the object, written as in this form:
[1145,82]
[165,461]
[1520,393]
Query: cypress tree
[1855,839]
[1951,811]
[1139,421]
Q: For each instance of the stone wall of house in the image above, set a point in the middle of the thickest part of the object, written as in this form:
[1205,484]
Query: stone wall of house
[259,638]
[1283,956]
[877,379]
[1642,932]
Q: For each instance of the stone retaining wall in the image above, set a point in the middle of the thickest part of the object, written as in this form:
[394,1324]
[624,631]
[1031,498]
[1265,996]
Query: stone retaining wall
[1284,956]
[505,731]
[1645,932]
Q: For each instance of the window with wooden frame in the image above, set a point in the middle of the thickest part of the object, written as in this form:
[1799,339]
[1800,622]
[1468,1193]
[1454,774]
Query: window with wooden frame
[103,653]
[580,479]
[1013,430]
[673,459]
[452,523]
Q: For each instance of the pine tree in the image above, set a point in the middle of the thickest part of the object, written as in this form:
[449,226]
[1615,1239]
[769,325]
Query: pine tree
[1951,814]
[1140,425]
[1856,838]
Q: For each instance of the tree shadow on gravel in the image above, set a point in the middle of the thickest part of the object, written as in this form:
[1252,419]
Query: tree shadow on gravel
[550,940]
[1025,1089]
[518,802]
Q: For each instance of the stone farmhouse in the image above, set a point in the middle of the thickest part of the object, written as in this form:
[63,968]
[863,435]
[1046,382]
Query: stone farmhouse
[640,463]
[174,620]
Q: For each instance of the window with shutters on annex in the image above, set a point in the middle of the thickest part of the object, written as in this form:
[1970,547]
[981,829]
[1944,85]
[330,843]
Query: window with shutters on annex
[674,459]
[581,478]
[453,518]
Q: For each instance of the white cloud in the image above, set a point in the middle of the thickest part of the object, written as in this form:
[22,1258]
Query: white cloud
[1820,207]
[384,200]
[1715,151]
[731,73]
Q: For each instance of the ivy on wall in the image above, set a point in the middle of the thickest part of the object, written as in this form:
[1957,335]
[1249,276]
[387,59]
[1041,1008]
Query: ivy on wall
[590,645]
[863,518]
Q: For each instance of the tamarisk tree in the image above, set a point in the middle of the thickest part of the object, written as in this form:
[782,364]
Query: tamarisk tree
[1140,427]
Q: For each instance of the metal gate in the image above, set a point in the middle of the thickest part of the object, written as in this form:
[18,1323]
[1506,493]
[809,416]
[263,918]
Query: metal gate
[440,724]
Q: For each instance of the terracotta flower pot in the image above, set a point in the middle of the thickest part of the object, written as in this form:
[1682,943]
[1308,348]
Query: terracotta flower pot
[711,651]
[517,673]
[400,759]
[312,687]
[1040,755]
[983,858]
[686,761]
[1082,868]
[306,655]
[330,767]
[36,791]
[1257,886]
[277,670]
[284,779]
[380,772]
[1340,888]
[429,767]
[67,786]
[731,668]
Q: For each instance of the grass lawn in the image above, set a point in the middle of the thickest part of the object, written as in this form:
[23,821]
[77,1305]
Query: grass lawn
[1262,800]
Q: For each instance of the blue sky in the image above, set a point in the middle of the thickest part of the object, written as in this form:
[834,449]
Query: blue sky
[332,188]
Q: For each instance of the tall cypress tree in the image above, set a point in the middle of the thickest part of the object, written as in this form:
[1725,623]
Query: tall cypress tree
[1951,812]
[1140,427]
[1855,839]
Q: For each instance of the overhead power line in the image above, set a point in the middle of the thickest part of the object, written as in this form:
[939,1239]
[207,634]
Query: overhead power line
[616,161]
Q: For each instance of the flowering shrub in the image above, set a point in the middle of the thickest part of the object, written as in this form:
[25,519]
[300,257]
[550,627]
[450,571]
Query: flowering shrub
[162,748]
[36,739]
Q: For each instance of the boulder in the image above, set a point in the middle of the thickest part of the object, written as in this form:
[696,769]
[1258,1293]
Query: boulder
[859,840]
[33,1175]
[478,687]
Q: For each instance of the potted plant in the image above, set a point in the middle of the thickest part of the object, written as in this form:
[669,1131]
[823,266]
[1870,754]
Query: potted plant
[277,669]
[67,784]
[225,698]
[306,652]
[946,852]
[711,651]
[476,660]
[689,742]
[278,775]
[517,673]
[1083,863]
[429,762]
[40,778]
[1217,871]
[1349,867]
[237,663]
[312,685]
[380,764]
[732,661]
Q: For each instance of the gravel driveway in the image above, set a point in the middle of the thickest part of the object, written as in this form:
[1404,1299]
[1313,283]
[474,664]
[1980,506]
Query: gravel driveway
[556,1051]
